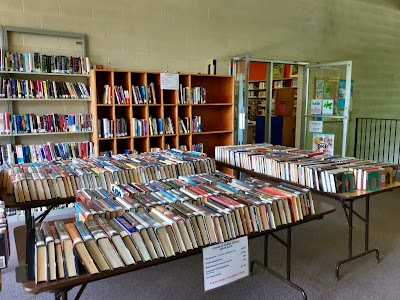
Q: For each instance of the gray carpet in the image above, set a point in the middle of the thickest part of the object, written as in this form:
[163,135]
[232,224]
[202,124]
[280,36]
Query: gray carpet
[317,246]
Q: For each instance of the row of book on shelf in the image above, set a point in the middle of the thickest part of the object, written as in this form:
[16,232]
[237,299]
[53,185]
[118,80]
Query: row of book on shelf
[328,173]
[144,127]
[41,63]
[118,95]
[11,154]
[143,222]
[4,237]
[32,123]
[42,89]
[62,179]
[195,95]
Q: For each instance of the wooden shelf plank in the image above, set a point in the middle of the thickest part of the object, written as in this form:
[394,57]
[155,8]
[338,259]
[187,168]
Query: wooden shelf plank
[50,133]
[44,74]
[212,132]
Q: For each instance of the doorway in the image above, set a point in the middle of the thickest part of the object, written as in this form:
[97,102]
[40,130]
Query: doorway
[270,95]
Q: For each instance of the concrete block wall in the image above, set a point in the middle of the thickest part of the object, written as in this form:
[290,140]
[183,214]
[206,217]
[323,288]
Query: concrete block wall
[183,35]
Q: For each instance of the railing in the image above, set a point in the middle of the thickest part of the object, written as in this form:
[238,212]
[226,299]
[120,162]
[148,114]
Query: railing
[377,139]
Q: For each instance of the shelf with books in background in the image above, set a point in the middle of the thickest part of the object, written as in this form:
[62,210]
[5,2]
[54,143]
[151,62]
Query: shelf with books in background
[154,115]
[257,92]
[38,85]
[28,81]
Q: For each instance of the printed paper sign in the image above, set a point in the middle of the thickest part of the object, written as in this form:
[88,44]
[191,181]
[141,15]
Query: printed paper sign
[327,107]
[315,126]
[323,142]
[225,263]
[169,81]
[316,106]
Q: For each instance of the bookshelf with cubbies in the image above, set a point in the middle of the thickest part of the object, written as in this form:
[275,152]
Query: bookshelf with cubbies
[257,99]
[214,95]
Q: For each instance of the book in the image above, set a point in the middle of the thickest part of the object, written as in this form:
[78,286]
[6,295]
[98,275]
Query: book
[81,250]
[41,271]
[67,247]
[107,249]
[51,251]
[92,247]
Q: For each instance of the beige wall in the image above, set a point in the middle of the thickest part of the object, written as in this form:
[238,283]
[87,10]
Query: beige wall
[183,35]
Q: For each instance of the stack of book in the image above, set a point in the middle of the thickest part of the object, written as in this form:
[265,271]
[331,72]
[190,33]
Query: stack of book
[332,174]
[121,95]
[139,223]
[106,128]
[195,95]
[198,95]
[5,123]
[139,94]
[184,125]
[198,147]
[31,123]
[41,63]
[196,124]
[185,96]
[4,237]
[43,89]
[139,127]
[169,126]
[155,126]
[121,127]
[4,93]
[45,152]
[107,95]
[61,179]
[152,94]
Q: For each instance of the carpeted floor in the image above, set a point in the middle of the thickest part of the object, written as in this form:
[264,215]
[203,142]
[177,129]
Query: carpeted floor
[317,246]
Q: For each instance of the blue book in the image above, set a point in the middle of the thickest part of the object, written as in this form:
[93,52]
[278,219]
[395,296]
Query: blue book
[227,187]
[136,237]
[83,231]
[143,93]
[160,126]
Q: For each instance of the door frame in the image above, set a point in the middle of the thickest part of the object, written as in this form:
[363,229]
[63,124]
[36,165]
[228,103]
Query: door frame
[270,62]
[345,118]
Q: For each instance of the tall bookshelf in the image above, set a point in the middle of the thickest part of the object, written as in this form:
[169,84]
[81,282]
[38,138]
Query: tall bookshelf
[216,113]
[257,99]
[43,106]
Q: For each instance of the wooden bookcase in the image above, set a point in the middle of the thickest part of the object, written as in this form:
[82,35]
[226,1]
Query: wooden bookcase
[216,114]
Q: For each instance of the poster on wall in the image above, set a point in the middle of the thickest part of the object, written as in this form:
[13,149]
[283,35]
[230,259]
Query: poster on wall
[323,142]
[316,107]
[277,70]
[319,89]
[327,107]
[315,126]
[342,93]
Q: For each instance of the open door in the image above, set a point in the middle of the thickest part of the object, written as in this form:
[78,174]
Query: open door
[240,70]
[326,108]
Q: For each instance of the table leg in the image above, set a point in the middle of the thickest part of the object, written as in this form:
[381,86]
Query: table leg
[352,257]
[350,240]
[61,295]
[266,250]
[288,252]
[288,245]
[28,219]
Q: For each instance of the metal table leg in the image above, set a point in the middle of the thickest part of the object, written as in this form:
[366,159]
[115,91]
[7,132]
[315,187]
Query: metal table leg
[288,245]
[367,251]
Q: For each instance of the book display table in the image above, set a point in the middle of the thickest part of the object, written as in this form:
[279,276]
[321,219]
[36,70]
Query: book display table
[347,202]
[61,287]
